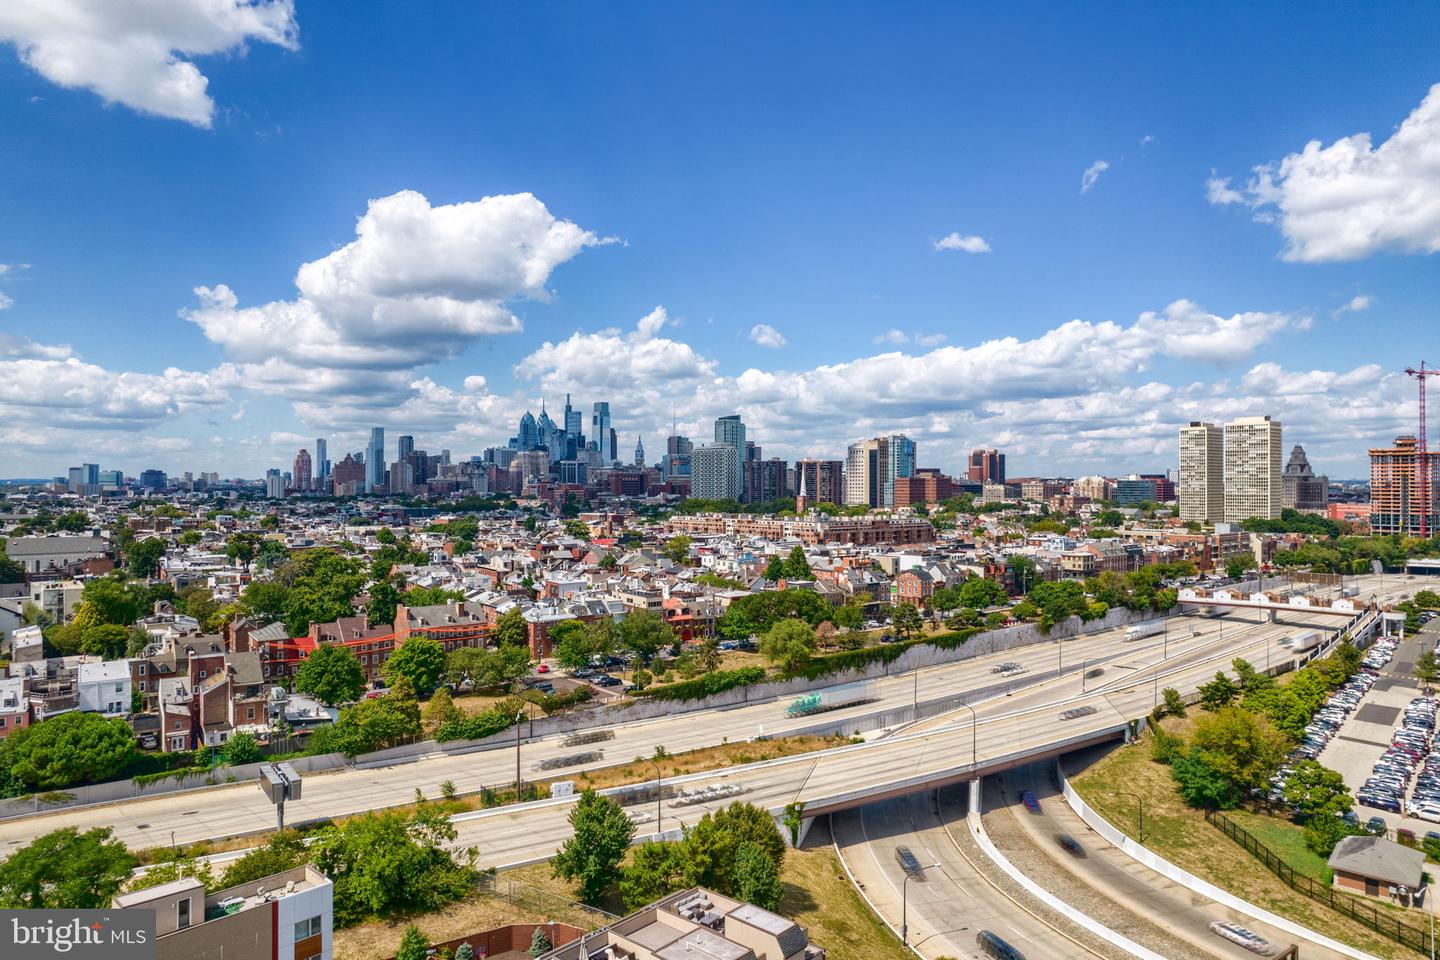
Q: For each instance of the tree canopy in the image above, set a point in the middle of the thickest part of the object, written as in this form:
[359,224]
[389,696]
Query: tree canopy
[331,674]
[65,870]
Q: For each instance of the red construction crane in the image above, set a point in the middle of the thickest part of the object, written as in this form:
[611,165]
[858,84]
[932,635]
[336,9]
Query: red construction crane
[1422,464]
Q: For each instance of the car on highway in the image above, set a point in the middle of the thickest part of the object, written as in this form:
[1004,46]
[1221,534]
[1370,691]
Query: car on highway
[907,860]
[1248,939]
[1027,797]
[1075,713]
[993,946]
[1069,844]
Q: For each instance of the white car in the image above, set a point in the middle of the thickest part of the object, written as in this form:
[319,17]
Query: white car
[1248,939]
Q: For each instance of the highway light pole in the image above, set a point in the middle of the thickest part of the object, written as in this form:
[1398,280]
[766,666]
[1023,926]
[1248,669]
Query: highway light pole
[518,715]
[1141,802]
[659,789]
[905,902]
[974,734]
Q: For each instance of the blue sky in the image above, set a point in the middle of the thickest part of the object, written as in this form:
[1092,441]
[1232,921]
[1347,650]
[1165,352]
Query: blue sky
[772,179]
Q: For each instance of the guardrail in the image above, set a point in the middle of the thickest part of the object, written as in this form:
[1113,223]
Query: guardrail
[1370,915]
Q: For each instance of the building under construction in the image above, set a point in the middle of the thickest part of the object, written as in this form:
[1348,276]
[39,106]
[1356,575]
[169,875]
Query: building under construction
[1397,503]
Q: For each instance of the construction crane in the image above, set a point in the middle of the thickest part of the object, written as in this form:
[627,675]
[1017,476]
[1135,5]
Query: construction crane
[1423,462]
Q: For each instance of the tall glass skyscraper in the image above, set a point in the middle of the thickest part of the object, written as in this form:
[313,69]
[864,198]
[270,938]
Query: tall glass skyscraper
[375,460]
[600,431]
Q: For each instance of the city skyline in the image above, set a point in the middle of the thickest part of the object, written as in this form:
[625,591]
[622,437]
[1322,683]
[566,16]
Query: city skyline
[441,280]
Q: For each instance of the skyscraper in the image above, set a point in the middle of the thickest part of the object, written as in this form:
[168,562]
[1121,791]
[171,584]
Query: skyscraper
[1303,489]
[322,461]
[375,460]
[871,467]
[715,472]
[730,430]
[407,447]
[301,473]
[601,433]
[574,429]
[1395,493]
[986,466]
[1202,472]
[1253,485]
[824,480]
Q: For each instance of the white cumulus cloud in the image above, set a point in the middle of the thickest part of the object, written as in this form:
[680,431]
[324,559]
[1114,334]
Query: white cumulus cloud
[1092,174]
[767,336]
[1361,301]
[134,51]
[1353,199]
[418,284]
[968,244]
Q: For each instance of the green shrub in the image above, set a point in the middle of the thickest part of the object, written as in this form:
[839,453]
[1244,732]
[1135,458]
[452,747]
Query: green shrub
[710,684]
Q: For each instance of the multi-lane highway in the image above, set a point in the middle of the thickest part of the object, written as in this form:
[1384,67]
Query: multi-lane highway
[934,751]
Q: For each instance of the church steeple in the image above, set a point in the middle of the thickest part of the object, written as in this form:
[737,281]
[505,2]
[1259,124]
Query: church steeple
[801,501]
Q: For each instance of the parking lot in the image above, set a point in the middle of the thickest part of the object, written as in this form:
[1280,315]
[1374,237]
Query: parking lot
[1370,730]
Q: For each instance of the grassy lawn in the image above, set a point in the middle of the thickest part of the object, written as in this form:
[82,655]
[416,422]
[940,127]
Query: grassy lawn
[1180,834]
[1287,839]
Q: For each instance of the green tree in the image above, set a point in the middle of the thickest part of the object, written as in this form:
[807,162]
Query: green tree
[849,615]
[1220,692]
[571,643]
[1427,667]
[440,710]
[510,630]
[65,870]
[371,724]
[906,620]
[1239,744]
[578,529]
[265,600]
[645,634]
[539,943]
[283,851]
[421,660]
[1174,703]
[384,598]
[107,640]
[1322,833]
[386,863]
[1201,784]
[142,558]
[980,592]
[331,674]
[69,749]
[775,569]
[789,644]
[241,748]
[487,668]
[413,944]
[796,566]
[430,596]
[465,951]
[677,549]
[755,878]
[1235,568]
[600,835]
[1314,790]
[655,869]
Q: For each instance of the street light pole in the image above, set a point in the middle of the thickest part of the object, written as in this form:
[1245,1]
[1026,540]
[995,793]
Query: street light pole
[1141,802]
[905,903]
[658,790]
[518,715]
[974,735]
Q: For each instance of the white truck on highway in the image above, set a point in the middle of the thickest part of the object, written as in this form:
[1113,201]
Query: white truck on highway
[1147,629]
[833,698]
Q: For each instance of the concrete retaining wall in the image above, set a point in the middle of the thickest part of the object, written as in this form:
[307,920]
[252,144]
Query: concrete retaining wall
[1186,879]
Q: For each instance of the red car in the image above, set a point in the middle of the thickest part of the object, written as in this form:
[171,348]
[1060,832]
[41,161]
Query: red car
[543,668]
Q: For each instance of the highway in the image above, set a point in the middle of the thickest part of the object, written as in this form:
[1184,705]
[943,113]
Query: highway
[933,752]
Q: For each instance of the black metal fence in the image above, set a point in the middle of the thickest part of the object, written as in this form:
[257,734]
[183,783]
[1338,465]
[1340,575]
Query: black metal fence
[1382,920]
[544,902]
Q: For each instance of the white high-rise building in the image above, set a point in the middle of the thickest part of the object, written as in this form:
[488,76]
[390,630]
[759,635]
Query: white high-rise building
[730,430]
[715,472]
[1253,470]
[1202,472]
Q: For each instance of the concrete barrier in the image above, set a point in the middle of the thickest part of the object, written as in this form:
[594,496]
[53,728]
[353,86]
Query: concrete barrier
[1165,868]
